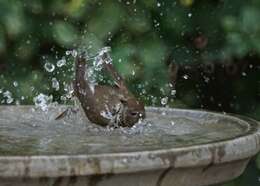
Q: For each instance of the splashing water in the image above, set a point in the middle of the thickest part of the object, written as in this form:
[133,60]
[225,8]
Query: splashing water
[185,76]
[173,92]
[104,50]
[61,62]
[92,72]
[164,101]
[15,83]
[42,101]
[68,88]
[94,68]
[73,53]
[55,84]
[8,95]
[49,67]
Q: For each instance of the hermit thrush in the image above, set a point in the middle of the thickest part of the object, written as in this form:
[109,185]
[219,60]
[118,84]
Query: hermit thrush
[106,105]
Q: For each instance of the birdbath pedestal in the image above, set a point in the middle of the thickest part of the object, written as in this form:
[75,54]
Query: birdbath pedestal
[172,147]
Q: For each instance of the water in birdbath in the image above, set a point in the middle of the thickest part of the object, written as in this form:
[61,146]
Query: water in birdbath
[27,132]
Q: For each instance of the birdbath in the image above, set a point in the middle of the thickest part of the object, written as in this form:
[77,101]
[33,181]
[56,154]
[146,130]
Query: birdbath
[172,147]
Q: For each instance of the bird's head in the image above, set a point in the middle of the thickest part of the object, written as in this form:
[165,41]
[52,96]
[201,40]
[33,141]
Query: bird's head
[132,111]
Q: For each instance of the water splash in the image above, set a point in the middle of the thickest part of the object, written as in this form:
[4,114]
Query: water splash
[49,67]
[173,92]
[185,76]
[61,62]
[164,101]
[15,83]
[68,88]
[8,95]
[55,84]
[73,53]
[95,66]
[42,101]
[93,70]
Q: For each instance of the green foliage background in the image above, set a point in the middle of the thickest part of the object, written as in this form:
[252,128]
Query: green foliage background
[144,35]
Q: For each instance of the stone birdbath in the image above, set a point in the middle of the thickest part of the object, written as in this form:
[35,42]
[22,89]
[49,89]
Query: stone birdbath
[172,147]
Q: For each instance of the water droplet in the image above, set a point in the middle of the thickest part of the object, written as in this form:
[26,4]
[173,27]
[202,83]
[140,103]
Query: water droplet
[68,88]
[9,100]
[74,53]
[164,100]
[15,83]
[206,79]
[49,67]
[158,4]
[42,101]
[172,123]
[189,14]
[104,50]
[185,76]
[243,74]
[68,52]
[173,92]
[98,63]
[8,95]
[61,62]
[55,84]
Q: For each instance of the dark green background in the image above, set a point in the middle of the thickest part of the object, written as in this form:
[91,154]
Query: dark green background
[215,43]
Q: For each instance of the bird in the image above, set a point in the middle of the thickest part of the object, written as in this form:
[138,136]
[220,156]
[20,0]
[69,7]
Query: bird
[106,105]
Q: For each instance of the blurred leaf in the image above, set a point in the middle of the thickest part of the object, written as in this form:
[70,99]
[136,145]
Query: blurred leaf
[186,3]
[237,45]
[92,43]
[2,40]
[64,33]
[106,20]
[250,20]
[75,8]
[229,23]
[138,21]
[149,3]
[36,7]
[25,49]
[123,55]
[13,18]
[177,20]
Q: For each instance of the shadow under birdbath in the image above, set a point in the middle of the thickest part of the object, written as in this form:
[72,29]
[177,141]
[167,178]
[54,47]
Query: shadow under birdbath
[180,147]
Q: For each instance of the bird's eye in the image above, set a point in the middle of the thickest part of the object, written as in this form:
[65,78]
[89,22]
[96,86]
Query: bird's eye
[134,113]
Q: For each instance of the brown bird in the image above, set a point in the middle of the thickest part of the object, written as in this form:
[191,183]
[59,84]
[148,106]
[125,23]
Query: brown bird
[106,105]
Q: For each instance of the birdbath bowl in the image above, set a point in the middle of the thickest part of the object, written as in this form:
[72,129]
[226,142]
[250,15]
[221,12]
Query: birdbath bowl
[172,147]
